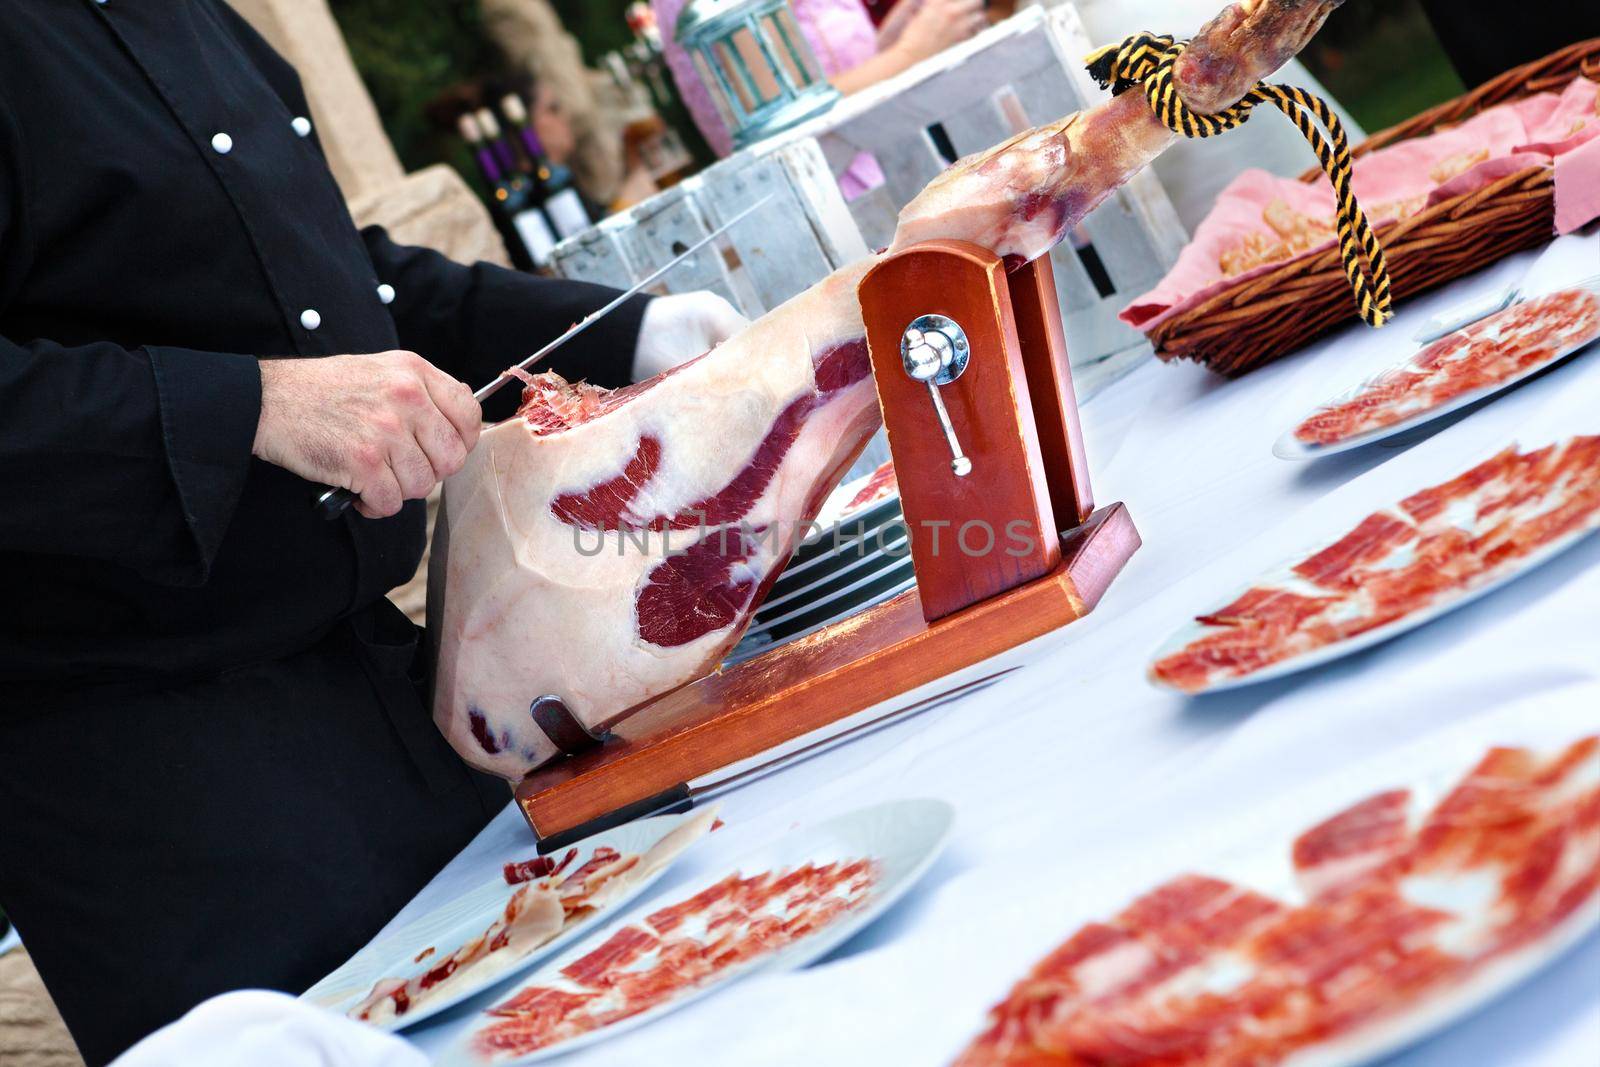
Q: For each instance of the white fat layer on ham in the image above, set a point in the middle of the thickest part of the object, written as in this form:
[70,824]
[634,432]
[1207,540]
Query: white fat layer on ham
[536,607]
[609,883]
[1344,870]
[1470,897]
[1217,974]
[1106,972]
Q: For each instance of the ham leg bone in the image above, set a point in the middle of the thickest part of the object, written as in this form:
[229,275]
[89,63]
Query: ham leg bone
[607,547]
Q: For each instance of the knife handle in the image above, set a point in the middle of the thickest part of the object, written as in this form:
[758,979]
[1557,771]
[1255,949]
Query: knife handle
[330,503]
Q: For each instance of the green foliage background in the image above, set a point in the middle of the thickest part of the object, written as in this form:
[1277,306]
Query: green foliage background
[409,51]
[1379,57]
[1381,60]
[598,25]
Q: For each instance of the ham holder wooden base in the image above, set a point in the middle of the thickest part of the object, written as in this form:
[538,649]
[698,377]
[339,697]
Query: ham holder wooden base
[971,369]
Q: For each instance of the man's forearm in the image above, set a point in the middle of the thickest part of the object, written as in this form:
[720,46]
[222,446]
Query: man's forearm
[473,322]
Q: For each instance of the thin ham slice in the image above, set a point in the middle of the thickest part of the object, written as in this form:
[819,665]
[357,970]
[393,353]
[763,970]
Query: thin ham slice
[532,916]
[1342,851]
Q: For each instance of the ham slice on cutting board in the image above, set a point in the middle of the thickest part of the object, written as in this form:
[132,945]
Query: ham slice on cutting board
[608,547]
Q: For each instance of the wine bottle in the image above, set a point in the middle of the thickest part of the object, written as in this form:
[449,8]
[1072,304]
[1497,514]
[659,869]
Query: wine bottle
[646,62]
[641,19]
[497,142]
[527,232]
[488,165]
[554,188]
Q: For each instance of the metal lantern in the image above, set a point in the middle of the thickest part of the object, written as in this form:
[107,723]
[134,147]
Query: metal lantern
[759,68]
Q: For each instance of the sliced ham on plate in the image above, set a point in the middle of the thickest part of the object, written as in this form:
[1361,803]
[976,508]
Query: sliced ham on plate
[1409,917]
[1396,569]
[1452,372]
[782,905]
[674,951]
[554,899]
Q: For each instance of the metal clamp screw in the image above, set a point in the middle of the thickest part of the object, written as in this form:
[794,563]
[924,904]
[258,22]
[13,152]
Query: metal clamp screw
[934,350]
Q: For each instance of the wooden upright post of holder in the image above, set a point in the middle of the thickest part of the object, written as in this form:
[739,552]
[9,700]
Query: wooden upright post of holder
[1004,553]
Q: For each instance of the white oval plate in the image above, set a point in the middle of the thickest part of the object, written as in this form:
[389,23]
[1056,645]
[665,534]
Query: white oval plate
[452,925]
[1292,448]
[903,836]
[1328,653]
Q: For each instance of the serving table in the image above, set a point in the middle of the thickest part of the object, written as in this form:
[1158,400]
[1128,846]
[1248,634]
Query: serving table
[1078,784]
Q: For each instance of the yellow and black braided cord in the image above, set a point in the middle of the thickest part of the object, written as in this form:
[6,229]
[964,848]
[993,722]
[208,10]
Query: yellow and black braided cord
[1145,60]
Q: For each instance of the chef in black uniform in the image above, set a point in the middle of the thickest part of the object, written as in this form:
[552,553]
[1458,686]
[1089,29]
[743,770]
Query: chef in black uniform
[216,768]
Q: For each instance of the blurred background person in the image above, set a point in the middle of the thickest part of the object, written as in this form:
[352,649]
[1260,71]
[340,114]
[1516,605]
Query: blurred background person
[576,126]
[853,52]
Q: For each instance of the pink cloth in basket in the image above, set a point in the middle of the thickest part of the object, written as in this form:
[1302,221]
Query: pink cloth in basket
[1578,186]
[1561,128]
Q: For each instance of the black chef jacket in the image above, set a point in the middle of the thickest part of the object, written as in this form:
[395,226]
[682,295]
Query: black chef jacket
[214,766]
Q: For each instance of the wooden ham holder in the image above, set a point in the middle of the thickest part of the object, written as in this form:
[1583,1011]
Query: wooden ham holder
[1004,555]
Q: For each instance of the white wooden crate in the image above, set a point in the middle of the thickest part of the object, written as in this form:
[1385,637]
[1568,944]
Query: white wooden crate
[1025,71]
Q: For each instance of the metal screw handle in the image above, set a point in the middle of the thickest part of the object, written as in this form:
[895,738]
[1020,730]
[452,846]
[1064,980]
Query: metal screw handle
[934,350]
[959,463]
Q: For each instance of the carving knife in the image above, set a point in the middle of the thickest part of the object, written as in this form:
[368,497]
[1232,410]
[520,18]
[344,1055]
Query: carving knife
[330,502]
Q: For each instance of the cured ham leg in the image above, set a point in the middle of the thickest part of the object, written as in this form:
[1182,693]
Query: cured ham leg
[607,547]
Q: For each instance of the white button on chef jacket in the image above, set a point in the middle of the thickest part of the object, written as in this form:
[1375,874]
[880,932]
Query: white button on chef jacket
[310,319]
[386,294]
[222,144]
[301,126]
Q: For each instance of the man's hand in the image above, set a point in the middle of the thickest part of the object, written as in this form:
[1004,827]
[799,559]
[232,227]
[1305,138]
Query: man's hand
[388,427]
[677,328]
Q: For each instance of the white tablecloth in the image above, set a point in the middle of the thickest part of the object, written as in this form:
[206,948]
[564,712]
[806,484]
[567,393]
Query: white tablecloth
[1079,785]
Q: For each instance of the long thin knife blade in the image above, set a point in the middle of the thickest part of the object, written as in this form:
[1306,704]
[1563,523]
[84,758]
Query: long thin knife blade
[593,317]
[330,502]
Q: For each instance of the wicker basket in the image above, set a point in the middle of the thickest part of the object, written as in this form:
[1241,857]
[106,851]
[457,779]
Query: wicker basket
[1275,313]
